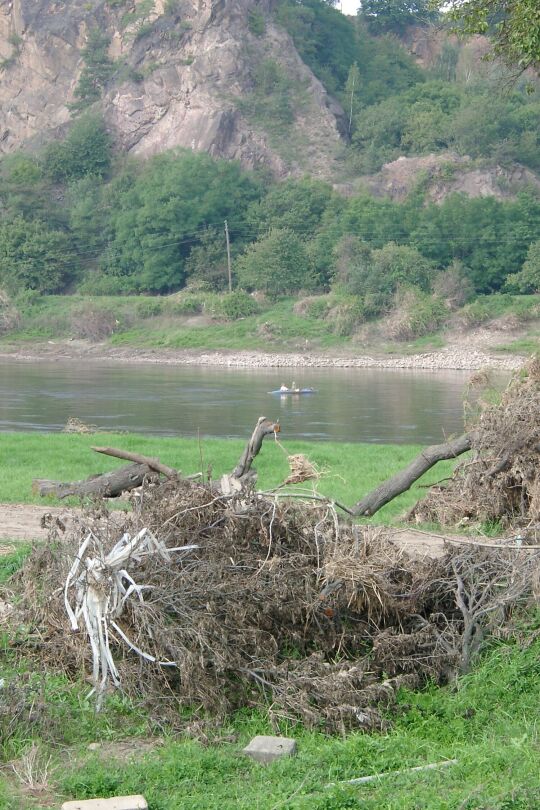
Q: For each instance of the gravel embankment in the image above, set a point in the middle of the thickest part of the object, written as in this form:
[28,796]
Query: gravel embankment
[447,359]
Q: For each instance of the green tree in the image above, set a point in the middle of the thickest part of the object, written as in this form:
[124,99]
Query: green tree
[514,26]
[295,204]
[394,16]
[163,211]
[33,257]
[375,275]
[96,73]
[528,278]
[86,150]
[277,264]
[207,261]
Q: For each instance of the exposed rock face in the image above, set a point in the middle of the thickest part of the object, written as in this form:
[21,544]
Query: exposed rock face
[447,173]
[179,80]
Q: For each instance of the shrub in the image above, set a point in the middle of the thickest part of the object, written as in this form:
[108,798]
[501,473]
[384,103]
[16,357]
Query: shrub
[103,284]
[237,304]
[93,323]
[149,308]
[315,307]
[528,278]
[186,305]
[256,22]
[415,313]
[453,286]
[484,309]
[10,317]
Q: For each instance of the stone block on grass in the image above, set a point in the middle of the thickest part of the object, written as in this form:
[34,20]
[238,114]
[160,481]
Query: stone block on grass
[114,803]
[268,749]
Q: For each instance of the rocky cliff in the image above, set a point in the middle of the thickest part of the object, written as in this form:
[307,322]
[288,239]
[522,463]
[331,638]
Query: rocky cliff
[447,173]
[181,72]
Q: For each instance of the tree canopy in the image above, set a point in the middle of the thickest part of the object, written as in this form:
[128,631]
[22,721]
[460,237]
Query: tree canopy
[513,25]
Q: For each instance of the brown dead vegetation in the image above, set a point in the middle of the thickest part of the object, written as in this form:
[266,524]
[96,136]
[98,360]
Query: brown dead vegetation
[280,605]
[500,481]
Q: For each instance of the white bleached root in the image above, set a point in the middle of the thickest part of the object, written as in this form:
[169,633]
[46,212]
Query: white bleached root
[96,590]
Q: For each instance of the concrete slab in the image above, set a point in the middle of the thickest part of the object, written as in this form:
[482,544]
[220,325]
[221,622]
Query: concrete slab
[114,803]
[268,749]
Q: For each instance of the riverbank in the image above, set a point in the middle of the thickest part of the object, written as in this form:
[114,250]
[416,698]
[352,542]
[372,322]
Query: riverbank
[462,358]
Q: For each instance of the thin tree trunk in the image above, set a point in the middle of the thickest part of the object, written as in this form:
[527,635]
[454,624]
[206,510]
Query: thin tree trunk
[403,480]
[108,485]
[264,427]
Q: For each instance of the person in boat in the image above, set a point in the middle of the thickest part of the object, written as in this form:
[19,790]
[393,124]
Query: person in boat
[283,388]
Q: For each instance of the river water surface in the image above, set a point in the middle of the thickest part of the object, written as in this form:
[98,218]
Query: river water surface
[359,405]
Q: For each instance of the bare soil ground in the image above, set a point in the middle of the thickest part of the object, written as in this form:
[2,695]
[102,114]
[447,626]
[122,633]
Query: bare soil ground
[22,522]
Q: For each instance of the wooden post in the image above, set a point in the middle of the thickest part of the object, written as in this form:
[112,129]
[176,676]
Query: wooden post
[228,255]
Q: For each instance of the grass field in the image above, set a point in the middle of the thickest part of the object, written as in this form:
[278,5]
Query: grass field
[349,471]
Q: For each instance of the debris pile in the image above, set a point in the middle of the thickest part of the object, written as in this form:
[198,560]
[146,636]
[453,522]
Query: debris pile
[219,601]
[500,482]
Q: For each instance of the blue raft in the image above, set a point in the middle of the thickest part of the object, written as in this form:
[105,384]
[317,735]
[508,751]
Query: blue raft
[293,391]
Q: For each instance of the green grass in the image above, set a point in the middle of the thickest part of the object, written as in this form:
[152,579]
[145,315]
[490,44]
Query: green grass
[349,470]
[276,327]
[525,345]
[489,723]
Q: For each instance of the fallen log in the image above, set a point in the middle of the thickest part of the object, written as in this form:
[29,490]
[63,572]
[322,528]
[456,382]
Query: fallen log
[112,484]
[403,480]
[108,485]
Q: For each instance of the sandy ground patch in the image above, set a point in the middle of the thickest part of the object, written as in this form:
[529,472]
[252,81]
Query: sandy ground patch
[22,522]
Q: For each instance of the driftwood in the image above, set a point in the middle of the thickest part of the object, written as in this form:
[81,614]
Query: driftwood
[123,479]
[264,427]
[404,479]
[108,485]
[154,463]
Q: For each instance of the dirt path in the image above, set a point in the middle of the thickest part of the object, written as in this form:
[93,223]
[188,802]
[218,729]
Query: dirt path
[20,522]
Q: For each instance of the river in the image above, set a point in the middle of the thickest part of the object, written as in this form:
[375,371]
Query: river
[358,405]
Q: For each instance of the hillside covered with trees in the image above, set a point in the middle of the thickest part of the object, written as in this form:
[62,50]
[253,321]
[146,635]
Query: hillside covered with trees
[79,215]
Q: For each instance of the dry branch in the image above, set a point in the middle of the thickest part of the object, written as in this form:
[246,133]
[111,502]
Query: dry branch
[264,427]
[404,479]
[137,458]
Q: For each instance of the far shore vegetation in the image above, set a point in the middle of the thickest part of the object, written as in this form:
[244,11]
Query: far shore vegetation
[209,321]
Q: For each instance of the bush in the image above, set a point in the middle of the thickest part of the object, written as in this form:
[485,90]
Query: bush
[94,323]
[103,284]
[256,22]
[237,304]
[415,313]
[86,151]
[453,286]
[528,278]
[149,308]
[315,307]
[10,317]
[484,309]
[186,305]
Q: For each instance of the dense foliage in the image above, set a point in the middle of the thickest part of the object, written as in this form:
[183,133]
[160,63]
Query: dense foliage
[514,27]
[75,216]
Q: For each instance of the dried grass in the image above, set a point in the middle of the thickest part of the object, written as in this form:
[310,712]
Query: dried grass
[500,482]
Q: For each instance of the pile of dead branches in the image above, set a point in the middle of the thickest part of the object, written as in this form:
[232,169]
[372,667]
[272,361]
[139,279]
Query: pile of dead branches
[219,601]
[500,481]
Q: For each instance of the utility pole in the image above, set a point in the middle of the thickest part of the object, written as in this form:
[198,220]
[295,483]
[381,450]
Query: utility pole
[228,255]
